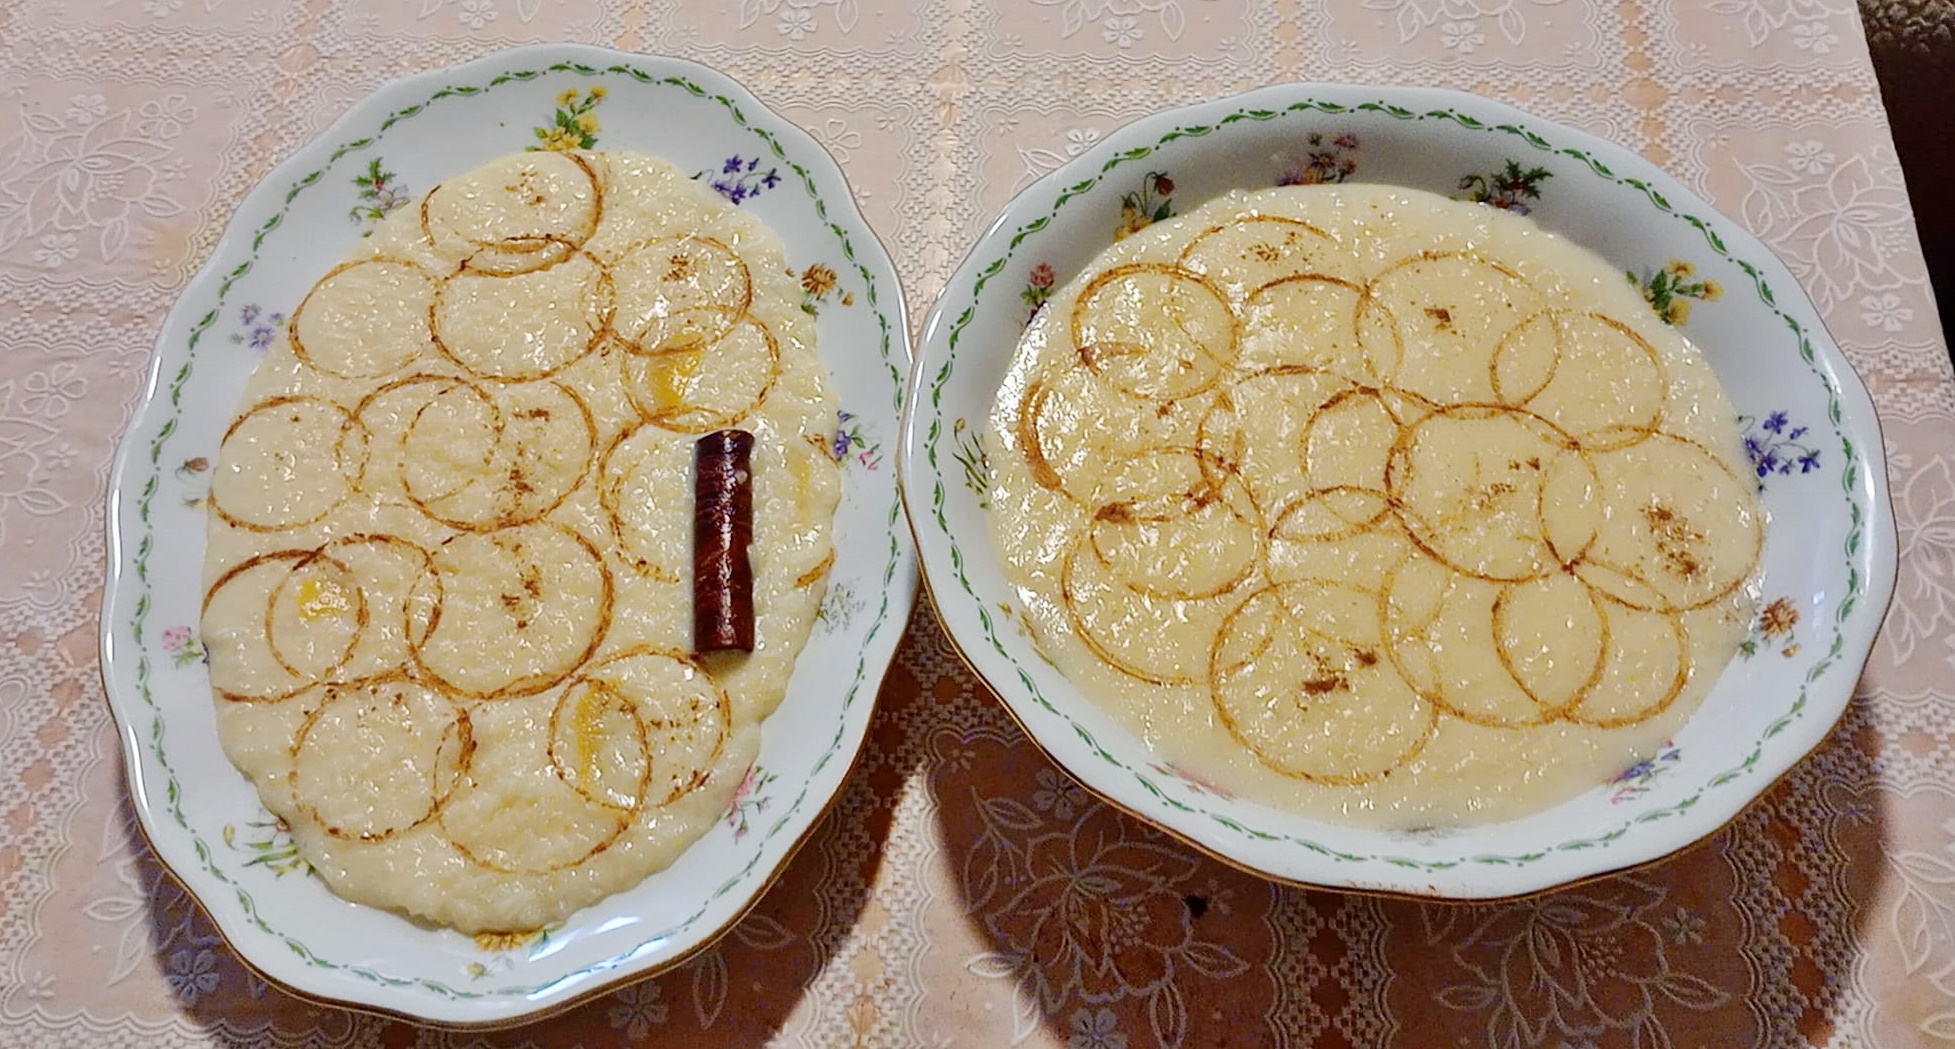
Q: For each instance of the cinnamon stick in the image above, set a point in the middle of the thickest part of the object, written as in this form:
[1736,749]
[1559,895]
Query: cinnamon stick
[722,531]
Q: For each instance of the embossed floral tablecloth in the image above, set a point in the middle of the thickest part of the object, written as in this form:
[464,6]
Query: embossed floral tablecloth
[1824,916]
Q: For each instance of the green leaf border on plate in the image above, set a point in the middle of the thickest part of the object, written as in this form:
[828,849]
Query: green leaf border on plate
[1849,474]
[157,454]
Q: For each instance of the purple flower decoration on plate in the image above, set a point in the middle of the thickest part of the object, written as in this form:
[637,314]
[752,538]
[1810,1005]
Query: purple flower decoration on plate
[740,179]
[1776,447]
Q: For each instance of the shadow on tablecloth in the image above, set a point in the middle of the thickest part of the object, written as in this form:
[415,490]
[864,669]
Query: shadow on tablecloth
[1110,934]
[964,892]
[739,992]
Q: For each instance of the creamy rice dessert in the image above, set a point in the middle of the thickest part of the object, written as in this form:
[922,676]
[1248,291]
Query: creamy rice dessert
[1372,505]
[448,596]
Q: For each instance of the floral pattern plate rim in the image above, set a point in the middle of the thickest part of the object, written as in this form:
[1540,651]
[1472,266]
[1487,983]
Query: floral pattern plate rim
[1829,564]
[203,820]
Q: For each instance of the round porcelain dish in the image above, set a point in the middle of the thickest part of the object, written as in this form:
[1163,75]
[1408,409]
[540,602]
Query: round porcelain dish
[1829,563]
[204,820]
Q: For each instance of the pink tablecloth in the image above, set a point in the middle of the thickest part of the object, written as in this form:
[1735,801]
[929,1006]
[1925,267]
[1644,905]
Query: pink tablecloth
[1824,916]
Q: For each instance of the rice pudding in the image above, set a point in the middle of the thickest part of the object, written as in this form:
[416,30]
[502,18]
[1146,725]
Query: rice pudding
[1373,505]
[448,597]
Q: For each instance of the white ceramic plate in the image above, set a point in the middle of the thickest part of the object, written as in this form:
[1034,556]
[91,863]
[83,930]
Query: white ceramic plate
[204,819]
[1829,561]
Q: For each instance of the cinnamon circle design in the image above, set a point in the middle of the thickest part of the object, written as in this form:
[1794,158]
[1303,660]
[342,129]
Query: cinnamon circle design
[473,321]
[341,613]
[451,519]
[1308,322]
[1387,496]
[512,219]
[364,319]
[1597,366]
[1153,513]
[243,668]
[1291,664]
[1662,556]
[375,761]
[266,494]
[633,481]
[678,292]
[1155,332]
[318,589]
[1467,484]
[528,447]
[1247,255]
[599,745]
[682,717]
[511,772]
[696,386]
[530,605]
[1124,625]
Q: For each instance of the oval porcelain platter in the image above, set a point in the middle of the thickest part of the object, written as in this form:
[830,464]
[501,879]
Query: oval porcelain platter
[1809,429]
[204,819]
